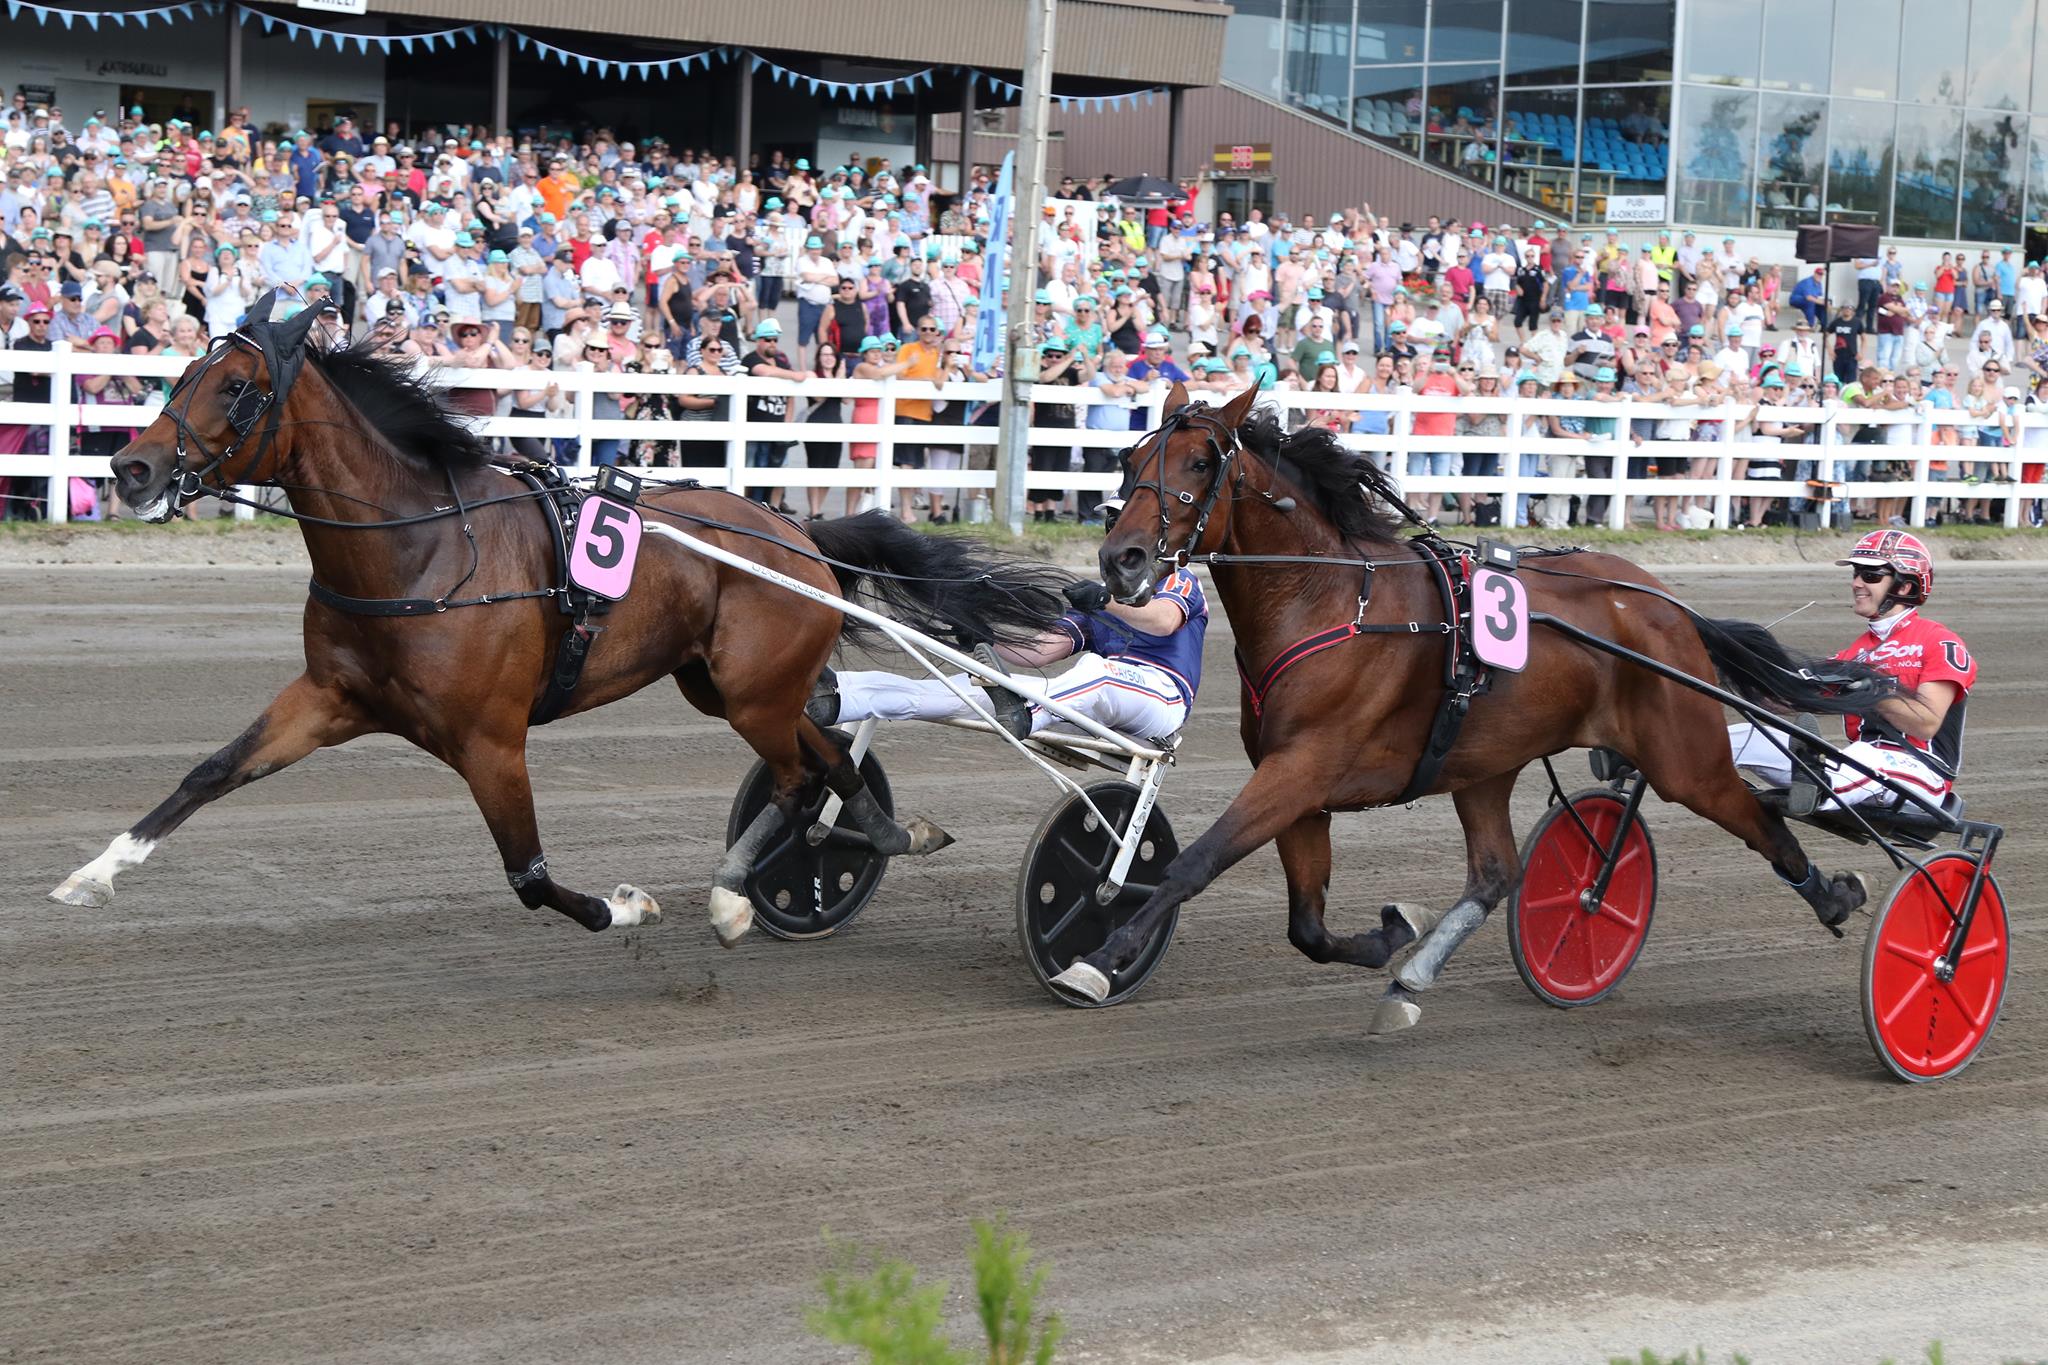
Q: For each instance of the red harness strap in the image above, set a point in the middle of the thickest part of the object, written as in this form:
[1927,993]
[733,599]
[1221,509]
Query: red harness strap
[1289,657]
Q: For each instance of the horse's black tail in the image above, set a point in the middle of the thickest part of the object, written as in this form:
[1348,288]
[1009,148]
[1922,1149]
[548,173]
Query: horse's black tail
[949,586]
[1756,664]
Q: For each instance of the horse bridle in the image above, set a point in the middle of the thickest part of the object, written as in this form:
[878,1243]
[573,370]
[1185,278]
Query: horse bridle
[245,410]
[1223,445]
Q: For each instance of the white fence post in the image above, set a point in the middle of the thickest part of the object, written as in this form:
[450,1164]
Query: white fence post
[63,410]
[586,412]
[1825,471]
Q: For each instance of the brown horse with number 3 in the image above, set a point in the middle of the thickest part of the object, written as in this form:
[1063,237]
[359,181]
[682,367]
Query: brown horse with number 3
[399,504]
[1345,727]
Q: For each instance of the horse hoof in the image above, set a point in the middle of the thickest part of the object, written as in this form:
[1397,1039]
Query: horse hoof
[732,914]
[1084,982]
[79,889]
[631,906]
[926,837]
[1858,888]
[1394,1014]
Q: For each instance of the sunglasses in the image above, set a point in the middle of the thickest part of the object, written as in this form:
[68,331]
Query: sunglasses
[1864,574]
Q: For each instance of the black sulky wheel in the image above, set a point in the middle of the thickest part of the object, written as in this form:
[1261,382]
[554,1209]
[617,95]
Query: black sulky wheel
[1060,916]
[805,890]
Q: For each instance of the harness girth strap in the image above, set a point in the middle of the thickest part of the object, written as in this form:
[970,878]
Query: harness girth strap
[1464,677]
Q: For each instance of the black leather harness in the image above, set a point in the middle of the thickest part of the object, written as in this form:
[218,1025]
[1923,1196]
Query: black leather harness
[560,502]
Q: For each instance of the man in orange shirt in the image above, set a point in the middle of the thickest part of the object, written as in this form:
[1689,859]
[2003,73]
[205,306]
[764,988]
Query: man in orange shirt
[921,363]
[559,188]
[1438,463]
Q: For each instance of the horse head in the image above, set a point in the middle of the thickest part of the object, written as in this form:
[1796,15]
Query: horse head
[223,422]
[1176,495]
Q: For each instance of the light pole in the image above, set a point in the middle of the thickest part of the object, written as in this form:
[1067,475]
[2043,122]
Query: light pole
[1021,361]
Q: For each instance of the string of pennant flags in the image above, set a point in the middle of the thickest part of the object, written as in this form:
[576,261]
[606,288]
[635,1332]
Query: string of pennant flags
[141,18]
[603,67]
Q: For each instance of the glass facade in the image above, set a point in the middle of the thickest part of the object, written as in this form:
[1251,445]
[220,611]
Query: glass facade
[1912,115]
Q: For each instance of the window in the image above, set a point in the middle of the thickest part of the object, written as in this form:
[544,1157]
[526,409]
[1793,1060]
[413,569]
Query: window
[1930,157]
[1543,41]
[1541,135]
[1629,40]
[2037,171]
[1792,133]
[1931,64]
[1716,156]
[1464,126]
[1867,49]
[1464,31]
[1991,177]
[1721,41]
[1319,55]
[1251,57]
[1798,34]
[1860,163]
[1623,143]
[1386,103]
[2001,39]
[1390,30]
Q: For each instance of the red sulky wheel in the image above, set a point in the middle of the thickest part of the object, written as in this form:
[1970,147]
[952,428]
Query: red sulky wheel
[1565,954]
[1925,1028]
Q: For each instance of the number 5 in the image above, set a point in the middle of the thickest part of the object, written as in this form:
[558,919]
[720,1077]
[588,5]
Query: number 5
[606,518]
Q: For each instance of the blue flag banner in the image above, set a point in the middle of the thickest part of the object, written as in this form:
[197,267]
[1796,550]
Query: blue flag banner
[995,265]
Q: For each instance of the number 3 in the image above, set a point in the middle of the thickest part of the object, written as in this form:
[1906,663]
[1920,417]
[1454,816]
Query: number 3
[1504,625]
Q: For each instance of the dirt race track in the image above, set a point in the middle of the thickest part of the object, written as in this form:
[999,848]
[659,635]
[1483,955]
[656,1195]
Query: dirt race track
[316,1087]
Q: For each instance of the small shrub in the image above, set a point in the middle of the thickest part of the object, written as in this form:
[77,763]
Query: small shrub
[876,1305]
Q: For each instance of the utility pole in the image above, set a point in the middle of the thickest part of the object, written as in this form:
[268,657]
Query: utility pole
[1021,364]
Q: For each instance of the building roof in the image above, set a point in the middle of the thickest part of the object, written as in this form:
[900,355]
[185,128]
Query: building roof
[1143,42]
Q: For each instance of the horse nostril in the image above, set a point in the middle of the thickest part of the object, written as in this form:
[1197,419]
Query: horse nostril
[1132,558]
[137,471]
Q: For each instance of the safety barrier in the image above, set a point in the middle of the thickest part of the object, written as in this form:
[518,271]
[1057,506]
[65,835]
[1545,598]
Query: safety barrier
[1836,460]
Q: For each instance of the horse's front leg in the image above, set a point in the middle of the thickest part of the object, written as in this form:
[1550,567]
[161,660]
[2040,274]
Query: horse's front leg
[1285,787]
[306,716]
[494,765]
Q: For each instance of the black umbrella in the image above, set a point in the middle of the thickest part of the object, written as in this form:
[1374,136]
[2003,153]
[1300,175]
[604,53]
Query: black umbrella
[1143,187]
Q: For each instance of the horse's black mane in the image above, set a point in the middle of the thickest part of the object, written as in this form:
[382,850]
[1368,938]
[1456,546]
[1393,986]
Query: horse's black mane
[1352,493]
[403,408]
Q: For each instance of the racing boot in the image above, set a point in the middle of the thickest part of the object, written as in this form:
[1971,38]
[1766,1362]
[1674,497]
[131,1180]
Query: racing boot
[1803,796]
[1011,711]
[823,707]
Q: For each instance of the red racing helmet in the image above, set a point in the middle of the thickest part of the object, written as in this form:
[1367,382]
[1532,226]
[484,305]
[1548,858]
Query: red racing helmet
[1905,555]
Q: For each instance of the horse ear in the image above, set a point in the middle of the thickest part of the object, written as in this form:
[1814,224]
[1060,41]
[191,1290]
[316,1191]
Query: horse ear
[1240,407]
[1176,397]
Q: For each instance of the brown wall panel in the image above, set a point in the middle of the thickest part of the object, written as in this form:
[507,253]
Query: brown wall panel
[1174,42]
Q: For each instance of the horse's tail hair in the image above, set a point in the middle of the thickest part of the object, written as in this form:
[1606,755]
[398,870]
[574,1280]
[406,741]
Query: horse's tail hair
[1756,664]
[944,585]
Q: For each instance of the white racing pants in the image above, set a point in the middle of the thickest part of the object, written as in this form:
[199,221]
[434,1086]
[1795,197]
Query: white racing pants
[1131,698]
[1755,751]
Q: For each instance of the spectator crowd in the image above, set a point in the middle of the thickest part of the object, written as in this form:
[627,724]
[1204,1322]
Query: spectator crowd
[478,249]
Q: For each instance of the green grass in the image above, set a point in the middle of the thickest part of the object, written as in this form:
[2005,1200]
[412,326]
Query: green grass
[211,526]
[877,1305]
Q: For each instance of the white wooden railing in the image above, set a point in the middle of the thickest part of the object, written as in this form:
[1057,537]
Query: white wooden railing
[1836,460]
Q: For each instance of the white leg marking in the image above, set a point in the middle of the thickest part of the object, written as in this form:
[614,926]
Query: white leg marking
[732,914]
[630,906]
[93,884]
[1083,980]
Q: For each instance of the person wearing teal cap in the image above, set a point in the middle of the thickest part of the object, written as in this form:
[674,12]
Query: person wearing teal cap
[1058,363]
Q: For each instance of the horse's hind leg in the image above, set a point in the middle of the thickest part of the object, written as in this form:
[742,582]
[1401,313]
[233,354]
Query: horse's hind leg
[1305,857]
[917,837]
[495,768]
[1713,789]
[1491,868]
[304,717]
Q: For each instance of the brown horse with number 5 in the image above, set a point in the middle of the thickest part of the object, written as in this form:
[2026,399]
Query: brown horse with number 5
[1344,729]
[401,507]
